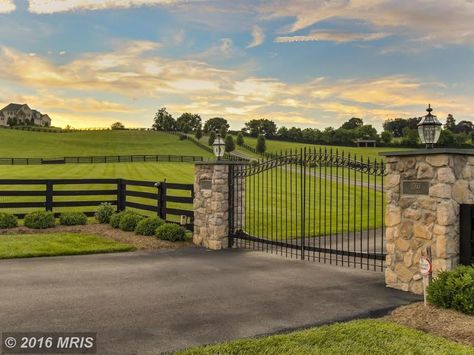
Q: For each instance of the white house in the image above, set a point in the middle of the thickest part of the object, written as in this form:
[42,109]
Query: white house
[22,114]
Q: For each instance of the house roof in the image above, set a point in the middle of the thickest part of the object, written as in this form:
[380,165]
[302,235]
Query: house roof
[13,107]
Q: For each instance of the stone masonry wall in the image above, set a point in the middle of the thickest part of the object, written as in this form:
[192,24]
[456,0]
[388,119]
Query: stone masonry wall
[211,205]
[415,222]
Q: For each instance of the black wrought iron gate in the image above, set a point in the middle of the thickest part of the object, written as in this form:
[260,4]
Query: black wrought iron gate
[313,204]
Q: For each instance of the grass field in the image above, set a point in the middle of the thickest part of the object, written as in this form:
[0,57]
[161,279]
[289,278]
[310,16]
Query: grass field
[14,143]
[31,245]
[274,146]
[356,337]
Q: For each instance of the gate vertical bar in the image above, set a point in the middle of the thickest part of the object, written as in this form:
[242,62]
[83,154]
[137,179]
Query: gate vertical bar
[303,200]
[232,203]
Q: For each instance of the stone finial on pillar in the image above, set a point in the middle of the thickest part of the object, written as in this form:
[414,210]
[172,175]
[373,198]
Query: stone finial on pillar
[211,203]
[424,190]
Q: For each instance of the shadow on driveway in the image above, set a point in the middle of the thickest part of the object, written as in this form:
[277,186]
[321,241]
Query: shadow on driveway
[149,302]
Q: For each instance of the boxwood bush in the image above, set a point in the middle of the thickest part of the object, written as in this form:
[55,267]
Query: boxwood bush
[129,220]
[104,212]
[115,219]
[148,226]
[40,220]
[72,218]
[8,220]
[171,232]
[454,289]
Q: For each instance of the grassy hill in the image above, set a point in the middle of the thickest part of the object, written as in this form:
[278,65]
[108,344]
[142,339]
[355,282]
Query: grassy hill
[274,146]
[15,143]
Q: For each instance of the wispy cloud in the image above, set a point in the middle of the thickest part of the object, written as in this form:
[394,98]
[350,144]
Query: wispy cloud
[53,6]
[332,36]
[7,6]
[258,37]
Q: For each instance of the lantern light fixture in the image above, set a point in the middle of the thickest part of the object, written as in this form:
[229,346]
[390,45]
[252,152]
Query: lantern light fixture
[429,129]
[219,147]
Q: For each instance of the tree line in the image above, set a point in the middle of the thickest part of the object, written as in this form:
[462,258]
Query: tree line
[399,131]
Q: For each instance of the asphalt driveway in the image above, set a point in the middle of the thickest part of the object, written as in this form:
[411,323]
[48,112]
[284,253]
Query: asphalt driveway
[150,302]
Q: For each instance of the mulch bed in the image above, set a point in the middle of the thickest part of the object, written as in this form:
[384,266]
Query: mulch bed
[140,242]
[447,323]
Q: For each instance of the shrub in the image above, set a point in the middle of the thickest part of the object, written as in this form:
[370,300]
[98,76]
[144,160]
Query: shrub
[8,220]
[129,220]
[171,232]
[40,220]
[454,289]
[115,219]
[72,218]
[148,226]
[104,212]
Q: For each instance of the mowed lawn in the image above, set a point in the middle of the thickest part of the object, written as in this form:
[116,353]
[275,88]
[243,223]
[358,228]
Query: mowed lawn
[31,245]
[356,337]
[15,143]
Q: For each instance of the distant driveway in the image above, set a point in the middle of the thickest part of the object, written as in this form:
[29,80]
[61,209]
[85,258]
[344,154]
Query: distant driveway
[150,302]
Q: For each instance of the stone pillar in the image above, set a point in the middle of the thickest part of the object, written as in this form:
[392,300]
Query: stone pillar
[211,203]
[424,189]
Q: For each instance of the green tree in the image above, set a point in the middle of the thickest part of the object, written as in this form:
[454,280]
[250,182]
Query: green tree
[117,125]
[261,144]
[163,121]
[188,122]
[354,122]
[450,123]
[223,131]
[216,124]
[386,137]
[397,125]
[212,138]
[229,143]
[261,126]
[446,138]
[240,139]
[198,133]
[410,137]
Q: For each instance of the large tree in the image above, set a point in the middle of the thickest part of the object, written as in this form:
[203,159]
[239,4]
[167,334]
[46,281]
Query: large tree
[117,125]
[262,126]
[188,122]
[450,123]
[397,125]
[229,143]
[163,121]
[354,122]
[464,127]
[216,124]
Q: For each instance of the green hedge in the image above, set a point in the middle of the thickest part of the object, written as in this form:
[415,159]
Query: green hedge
[104,212]
[171,232]
[115,219]
[8,221]
[40,220]
[454,289]
[148,226]
[72,219]
[129,220]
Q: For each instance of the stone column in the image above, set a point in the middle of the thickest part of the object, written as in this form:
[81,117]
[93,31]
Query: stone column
[211,203]
[424,189]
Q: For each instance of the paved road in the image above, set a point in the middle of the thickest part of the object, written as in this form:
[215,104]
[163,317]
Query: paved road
[149,302]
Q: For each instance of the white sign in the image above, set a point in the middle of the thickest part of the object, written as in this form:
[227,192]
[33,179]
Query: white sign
[425,266]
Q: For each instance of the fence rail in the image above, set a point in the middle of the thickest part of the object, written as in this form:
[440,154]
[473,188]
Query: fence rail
[96,159]
[170,201]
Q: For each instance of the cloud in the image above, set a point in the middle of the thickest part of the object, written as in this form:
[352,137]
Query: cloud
[429,22]
[258,37]
[339,37]
[54,6]
[7,6]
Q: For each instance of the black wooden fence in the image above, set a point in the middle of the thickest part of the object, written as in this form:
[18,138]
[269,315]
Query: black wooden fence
[170,201]
[102,159]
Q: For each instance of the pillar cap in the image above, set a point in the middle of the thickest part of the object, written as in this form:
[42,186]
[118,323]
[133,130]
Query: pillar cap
[453,151]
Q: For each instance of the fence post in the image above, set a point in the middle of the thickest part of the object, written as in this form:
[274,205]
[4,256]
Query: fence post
[162,200]
[121,188]
[49,196]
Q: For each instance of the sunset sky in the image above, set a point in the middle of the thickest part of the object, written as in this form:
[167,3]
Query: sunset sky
[308,63]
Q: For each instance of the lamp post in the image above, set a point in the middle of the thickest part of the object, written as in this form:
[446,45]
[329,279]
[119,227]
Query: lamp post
[219,147]
[429,129]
